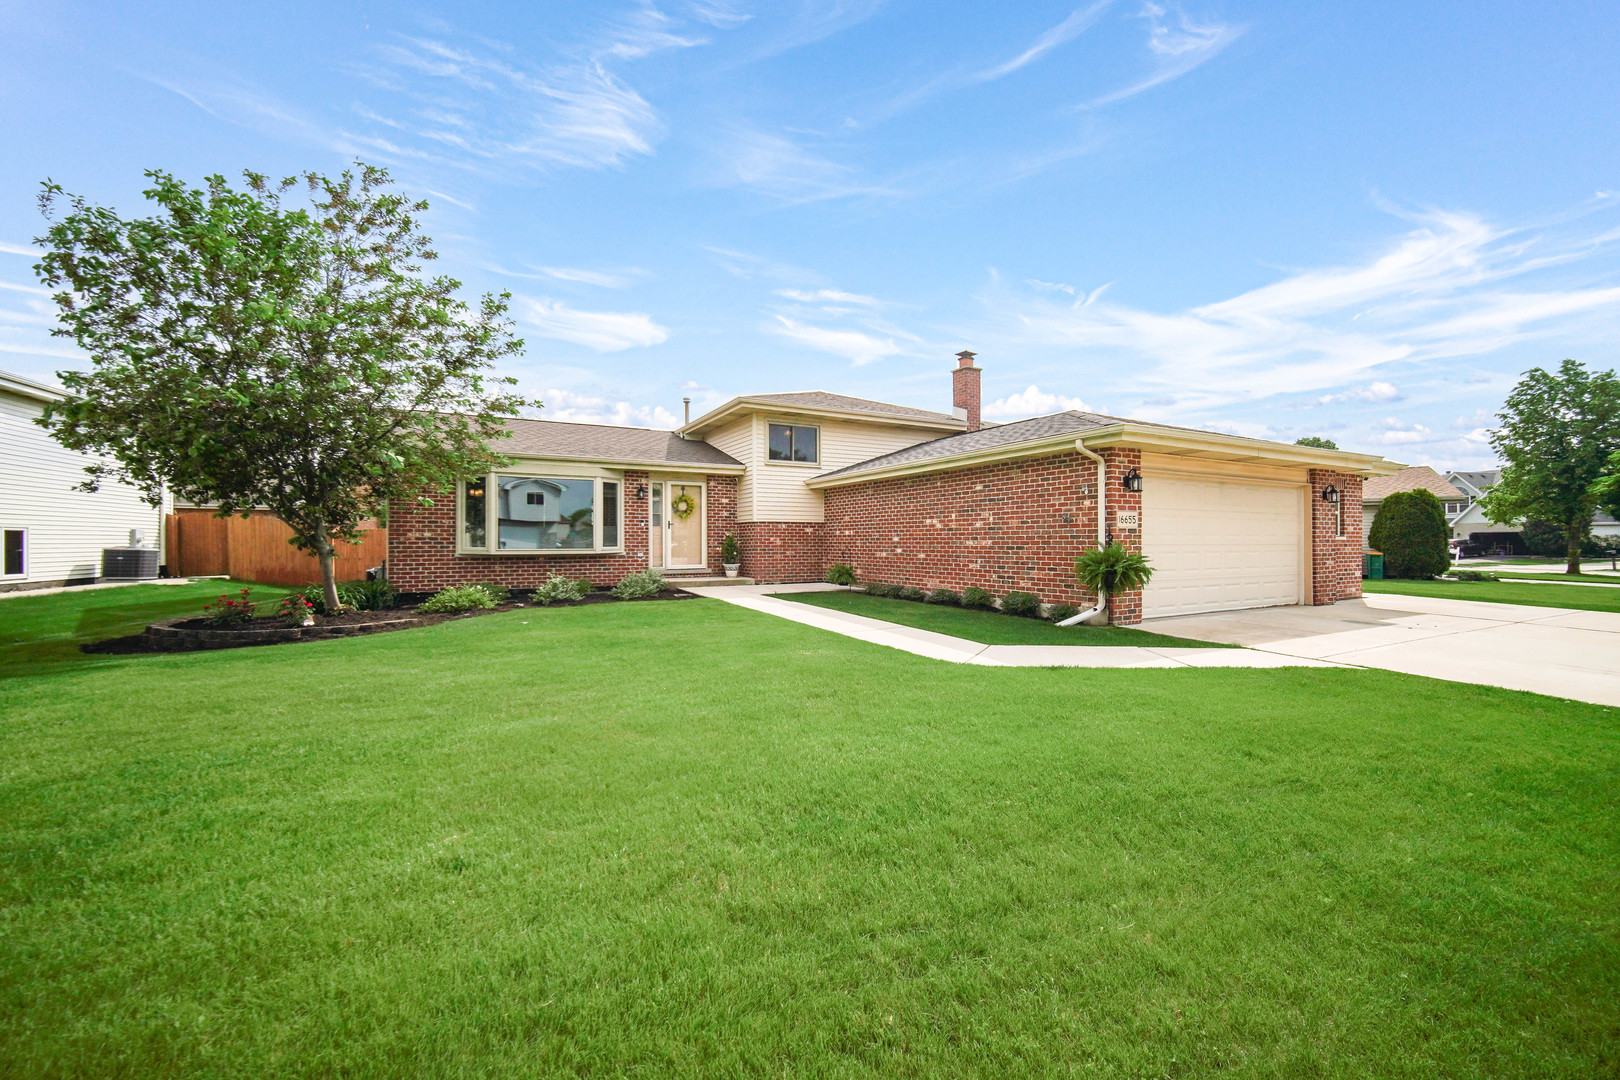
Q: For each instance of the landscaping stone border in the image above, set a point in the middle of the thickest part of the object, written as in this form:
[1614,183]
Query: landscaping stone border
[171,636]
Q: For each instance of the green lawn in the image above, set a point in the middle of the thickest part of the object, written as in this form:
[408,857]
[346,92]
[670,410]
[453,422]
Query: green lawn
[1509,575]
[1505,592]
[986,627]
[686,839]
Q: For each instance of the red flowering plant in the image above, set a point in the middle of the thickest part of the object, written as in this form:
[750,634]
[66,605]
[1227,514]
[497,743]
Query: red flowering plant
[298,611]
[226,611]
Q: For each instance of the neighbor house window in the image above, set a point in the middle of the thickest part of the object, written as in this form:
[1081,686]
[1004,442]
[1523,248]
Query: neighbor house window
[14,562]
[545,514]
[793,443]
[474,508]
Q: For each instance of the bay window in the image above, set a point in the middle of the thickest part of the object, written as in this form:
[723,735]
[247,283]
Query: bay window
[518,513]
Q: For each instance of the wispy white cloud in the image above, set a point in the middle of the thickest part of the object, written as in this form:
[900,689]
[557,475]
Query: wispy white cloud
[577,408]
[1374,392]
[1439,292]
[575,274]
[721,14]
[601,331]
[1079,21]
[784,170]
[835,296]
[20,249]
[857,347]
[1177,48]
[1032,402]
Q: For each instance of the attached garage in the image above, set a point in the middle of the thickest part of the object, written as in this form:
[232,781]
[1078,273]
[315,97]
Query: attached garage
[1220,544]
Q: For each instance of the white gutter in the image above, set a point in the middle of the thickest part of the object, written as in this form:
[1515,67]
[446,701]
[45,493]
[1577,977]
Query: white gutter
[1102,530]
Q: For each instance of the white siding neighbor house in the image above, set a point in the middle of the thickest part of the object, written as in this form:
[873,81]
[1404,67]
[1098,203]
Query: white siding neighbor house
[51,534]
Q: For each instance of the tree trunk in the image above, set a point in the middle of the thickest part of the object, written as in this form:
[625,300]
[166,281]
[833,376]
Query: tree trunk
[1573,553]
[327,556]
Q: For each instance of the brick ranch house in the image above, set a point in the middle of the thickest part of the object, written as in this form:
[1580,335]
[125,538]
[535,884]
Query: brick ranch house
[906,496]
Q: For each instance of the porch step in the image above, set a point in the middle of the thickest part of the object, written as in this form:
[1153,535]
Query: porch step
[680,581]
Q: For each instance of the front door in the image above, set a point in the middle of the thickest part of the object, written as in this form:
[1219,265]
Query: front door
[683,526]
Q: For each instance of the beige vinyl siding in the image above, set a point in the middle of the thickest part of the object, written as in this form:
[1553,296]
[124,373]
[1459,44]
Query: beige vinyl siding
[778,491]
[66,529]
[737,439]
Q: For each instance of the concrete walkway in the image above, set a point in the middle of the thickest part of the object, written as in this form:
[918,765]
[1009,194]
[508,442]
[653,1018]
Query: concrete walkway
[764,598]
[99,585]
[1557,651]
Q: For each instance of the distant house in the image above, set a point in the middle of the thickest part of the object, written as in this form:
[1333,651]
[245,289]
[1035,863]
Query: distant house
[1470,521]
[1375,489]
[51,534]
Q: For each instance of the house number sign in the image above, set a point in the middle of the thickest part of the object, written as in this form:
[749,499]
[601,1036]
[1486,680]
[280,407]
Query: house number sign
[1128,519]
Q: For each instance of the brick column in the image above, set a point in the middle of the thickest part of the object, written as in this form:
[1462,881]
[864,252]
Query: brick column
[1124,608]
[1336,541]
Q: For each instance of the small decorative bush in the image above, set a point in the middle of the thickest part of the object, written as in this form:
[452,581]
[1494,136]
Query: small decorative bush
[841,574]
[1059,612]
[1410,529]
[730,550]
[227,611]
[351,596]
[296,610]
[1474,575]
[911,592]
[643,583]
[457,598]
[1024,604]
[878,588]
[975,597]
[497,592]
[376,595]
[1112,569]
[559,589]
[945,596]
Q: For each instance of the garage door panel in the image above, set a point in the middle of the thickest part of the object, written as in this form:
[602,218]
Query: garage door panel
[1218,545]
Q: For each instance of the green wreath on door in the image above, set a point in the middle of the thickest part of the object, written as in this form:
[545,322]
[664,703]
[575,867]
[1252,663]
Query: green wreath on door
[682,506]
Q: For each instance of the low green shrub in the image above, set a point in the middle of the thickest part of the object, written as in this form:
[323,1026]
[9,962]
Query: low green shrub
[878,588]
[1059,612]
[910,592]
[975,597]
[841,574]
[730,550]
[351,594]
[1023,604]
[457,598]
[376,595]
[496,591]
[227,611]
[945,596]
[559,589]
[1474,575]
[642,583]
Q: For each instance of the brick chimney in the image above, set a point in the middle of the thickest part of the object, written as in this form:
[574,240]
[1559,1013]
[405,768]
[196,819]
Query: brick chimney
[965,390]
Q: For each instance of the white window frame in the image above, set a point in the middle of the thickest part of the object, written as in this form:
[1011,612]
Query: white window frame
[13,577]
[542,471]
[816,464]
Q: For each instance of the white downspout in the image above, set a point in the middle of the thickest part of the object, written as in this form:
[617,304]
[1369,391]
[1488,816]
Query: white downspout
[1102,531]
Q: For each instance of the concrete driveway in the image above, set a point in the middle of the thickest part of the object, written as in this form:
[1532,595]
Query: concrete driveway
[1557,651]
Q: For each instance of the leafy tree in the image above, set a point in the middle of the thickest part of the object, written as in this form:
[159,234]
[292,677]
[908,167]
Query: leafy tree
[1606,488]
[1544,539]
[1557,432]
[250,353]
[1317,441]
[1411,530]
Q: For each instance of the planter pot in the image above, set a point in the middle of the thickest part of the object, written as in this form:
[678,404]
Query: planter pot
[731,568]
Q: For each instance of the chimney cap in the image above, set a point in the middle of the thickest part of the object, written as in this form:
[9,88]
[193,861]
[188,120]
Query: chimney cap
[966,358]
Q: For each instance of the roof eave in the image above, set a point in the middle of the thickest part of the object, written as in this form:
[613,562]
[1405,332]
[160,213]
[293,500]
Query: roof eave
[1030,448]
[737,468]
[1217,447]
[716,417]
[28,388]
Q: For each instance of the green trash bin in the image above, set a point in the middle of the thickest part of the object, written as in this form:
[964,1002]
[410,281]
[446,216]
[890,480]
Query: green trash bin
[1372,565]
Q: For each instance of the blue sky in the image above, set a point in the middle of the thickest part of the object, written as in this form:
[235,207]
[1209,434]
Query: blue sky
[1280,219]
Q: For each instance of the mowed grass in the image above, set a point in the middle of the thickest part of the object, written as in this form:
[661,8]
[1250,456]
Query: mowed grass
[1505,592]
[685,839]
[987,627]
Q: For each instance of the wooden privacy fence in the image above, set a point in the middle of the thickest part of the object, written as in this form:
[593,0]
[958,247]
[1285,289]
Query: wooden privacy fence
[255,549]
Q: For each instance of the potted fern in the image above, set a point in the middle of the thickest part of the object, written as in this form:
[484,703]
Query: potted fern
[1110,570]
[730,555]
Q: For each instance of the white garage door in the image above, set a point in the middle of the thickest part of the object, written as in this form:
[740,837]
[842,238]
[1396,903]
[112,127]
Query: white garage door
[1217,545]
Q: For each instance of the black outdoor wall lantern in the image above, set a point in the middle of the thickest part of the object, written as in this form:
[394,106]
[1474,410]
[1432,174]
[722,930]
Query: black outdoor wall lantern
[641,492]
[1131,481]
[1330,494]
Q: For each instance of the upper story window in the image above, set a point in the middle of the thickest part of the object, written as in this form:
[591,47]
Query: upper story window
[790,442]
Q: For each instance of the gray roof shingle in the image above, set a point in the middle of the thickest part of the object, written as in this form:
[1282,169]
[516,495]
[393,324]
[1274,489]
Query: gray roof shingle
[558,439]
[820,399]
[988,438]
[1411,478]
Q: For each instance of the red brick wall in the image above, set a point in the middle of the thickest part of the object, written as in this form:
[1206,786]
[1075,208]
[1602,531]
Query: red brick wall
[1335,549]
[1004,526]
[777,551]
[422,543]
[1124,608]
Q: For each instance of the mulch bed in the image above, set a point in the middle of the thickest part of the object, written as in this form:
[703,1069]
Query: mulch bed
[195,633]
